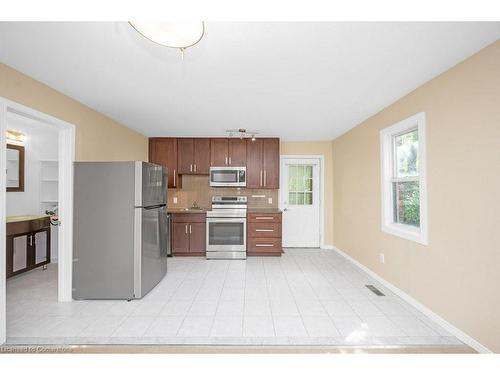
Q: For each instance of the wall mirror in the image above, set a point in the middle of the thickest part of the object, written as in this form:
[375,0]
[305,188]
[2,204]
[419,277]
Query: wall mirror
[15,168]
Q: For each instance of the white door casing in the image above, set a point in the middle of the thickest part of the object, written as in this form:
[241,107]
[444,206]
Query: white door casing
[66,154]
[300,200]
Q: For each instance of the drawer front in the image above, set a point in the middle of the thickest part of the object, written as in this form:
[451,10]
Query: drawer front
[188,218]
[264,245]
[264,229]
[264,218]
[27,226]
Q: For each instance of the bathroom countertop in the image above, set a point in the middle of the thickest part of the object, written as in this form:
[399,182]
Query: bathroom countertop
[15,219]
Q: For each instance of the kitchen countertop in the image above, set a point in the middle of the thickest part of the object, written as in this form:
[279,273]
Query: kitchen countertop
[187,210]
[16,219]
[266,210]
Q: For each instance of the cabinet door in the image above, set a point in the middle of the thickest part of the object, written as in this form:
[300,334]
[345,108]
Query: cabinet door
[201,155]
[237,152]
[218,152]
[17,258]
[180,237]
[197,237]
[163,151]
[42,249]
[185,154]
[271,163]
[254,164]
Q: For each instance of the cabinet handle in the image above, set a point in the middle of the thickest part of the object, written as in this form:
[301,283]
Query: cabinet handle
[195,167]
[264,230]
[186,227]
[190,229]
[265,174]
[230,160]
[264,245]
[190,167]
[226,160]
[264,218]
[261,177]
[175,182]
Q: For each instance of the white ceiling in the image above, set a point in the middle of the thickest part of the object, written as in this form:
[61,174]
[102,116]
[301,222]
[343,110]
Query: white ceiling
[299,81]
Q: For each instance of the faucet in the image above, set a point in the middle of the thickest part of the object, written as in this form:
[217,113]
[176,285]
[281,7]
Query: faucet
[195,205]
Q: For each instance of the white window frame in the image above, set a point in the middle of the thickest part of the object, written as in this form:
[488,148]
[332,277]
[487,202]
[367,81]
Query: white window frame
[387,167]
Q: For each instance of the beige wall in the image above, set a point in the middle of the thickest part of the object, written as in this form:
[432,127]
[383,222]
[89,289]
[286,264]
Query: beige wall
[97,136]
[318,148]
[457,275]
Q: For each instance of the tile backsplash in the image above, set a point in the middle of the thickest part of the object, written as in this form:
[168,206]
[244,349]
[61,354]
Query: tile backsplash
[197,189]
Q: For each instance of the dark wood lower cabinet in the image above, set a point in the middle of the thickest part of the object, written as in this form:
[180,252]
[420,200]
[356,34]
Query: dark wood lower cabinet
[264,234]
[27,245]
[188,234]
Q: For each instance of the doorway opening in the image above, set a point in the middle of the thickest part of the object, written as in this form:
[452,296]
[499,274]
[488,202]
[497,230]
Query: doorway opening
[301,199]
[36,201]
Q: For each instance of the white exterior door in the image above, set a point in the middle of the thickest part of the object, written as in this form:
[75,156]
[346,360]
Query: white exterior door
[300,201]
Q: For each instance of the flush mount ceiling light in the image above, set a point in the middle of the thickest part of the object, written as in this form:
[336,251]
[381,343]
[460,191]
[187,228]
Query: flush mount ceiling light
[242,133]
[180,35]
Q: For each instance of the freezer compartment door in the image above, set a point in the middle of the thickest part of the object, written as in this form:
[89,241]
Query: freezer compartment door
[152,184]
[153,254]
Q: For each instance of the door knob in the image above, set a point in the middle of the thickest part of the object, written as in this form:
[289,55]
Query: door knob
[285,209]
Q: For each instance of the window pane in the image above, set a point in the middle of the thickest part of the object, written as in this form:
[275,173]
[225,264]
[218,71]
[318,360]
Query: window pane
[308,198]
[406,148]
[406,203]
[308,171]
[300,198]
[308,185]
[292,198]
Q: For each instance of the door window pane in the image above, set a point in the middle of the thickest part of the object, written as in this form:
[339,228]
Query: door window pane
[406,203]
[406,149]
[300,184]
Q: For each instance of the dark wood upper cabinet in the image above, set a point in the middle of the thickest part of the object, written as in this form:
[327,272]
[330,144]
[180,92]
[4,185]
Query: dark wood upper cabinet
[263,163]
[271,163]
[254,163]
[163,151]
[193,155]
[237,152]
[219,152]
[201,155]
[185,155]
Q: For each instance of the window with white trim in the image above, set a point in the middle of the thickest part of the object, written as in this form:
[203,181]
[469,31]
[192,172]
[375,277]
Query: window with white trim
[404,198]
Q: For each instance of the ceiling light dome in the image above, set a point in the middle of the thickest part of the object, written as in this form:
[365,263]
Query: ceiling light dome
[171,34]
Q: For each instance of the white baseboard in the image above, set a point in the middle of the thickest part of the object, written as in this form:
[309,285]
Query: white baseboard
[327,247]
[462,336]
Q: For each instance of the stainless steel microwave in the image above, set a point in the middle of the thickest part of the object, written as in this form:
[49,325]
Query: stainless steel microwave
[228,176]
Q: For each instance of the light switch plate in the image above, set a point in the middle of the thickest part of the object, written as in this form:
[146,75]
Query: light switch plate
[270,200]
[382,258]
[174,199]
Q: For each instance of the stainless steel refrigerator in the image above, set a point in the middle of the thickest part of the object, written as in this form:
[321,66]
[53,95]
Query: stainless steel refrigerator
[120,231]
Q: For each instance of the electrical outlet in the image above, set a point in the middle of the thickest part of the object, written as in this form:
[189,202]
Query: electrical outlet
[381,257]
[270,200]
[174,199]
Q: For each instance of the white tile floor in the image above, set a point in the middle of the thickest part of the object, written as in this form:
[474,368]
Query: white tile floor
[306,297]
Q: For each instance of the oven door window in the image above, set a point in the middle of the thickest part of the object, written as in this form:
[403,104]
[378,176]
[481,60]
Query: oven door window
[224,176]
[226,234]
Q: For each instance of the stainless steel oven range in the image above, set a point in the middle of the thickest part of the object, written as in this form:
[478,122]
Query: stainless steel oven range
[227,228]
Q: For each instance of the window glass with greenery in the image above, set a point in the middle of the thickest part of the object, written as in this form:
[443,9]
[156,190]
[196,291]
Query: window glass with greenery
[405,180]
[300,184]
